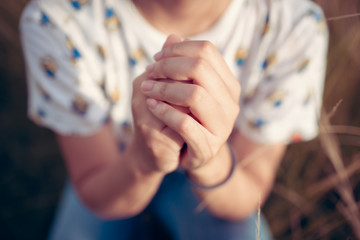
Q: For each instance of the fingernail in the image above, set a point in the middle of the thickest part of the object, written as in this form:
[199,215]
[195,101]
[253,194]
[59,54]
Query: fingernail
[152,103]
[150,68]
[158,55]
[147,85]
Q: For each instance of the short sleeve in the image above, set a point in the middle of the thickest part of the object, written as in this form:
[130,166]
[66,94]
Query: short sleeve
[285,105]
[63,95]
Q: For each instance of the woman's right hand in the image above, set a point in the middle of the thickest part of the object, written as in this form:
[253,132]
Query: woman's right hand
[157,147]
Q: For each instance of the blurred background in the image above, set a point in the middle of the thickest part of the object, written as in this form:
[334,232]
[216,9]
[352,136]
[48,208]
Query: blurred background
[317,191]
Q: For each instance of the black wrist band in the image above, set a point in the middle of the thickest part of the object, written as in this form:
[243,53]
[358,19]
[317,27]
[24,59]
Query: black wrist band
[202,187]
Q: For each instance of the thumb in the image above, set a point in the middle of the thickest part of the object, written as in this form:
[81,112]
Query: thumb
[172,39]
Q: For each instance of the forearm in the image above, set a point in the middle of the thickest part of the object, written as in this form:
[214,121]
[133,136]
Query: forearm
[239,197]
[119,189]
[114,192]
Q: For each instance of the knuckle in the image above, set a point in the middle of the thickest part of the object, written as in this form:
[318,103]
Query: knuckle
[206,48]
[144,129]
[162,111]
[237,109]
[137,81]
[197,95]
[163,89]
[194,163]
[199,65]
[237,89]
[163,65]
[232,113]
[236,112]
[152,140]
[208,154]
[135,105]
[185,126]
[174,49]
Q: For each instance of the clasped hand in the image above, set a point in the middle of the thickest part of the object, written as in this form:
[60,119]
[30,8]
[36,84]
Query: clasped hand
[185,105]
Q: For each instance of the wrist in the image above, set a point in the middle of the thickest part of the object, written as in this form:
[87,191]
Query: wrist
[140,160]
[216,173]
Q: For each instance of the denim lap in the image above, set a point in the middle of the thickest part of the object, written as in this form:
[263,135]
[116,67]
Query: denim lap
[174,206]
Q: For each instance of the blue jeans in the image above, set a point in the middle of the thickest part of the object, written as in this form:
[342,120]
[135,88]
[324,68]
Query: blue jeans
[174,207]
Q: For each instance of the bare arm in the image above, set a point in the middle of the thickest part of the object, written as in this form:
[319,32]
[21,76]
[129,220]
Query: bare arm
[116,185]
[108,183]
[250,183]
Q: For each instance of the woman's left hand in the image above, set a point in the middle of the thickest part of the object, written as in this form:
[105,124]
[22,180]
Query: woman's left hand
[193,75]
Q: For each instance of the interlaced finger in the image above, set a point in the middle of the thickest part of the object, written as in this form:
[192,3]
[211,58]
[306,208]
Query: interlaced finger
[207,51]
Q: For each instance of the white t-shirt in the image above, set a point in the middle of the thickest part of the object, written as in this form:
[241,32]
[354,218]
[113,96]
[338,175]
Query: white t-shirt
[83,55]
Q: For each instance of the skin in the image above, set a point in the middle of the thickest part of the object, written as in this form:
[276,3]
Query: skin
[182,17]
[190,96]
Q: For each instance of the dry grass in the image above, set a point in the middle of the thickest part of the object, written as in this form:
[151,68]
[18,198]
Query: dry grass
[258,220]
[316,195]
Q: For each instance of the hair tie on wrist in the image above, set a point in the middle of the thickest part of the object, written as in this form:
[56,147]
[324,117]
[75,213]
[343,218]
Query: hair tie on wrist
[199,186]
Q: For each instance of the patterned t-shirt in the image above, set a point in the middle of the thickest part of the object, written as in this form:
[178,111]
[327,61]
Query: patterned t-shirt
[82,56]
